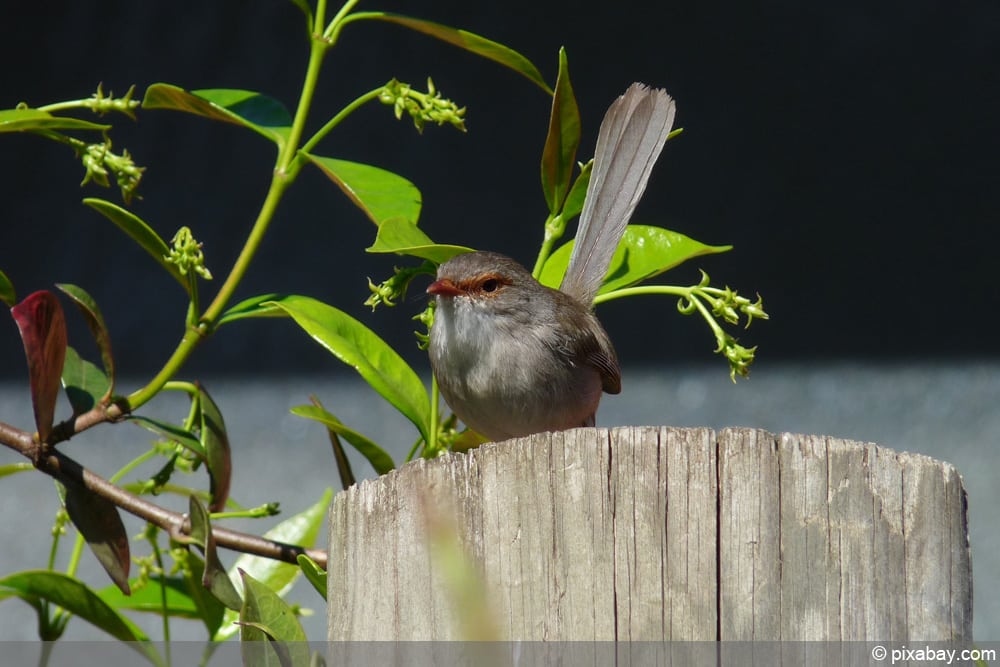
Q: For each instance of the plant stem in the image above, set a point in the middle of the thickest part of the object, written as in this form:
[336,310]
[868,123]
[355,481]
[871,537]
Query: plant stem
[552,224]
[435,400]
[332,31]
[280,181]
[646,289]
[344,113]
[61,467]
[689,293]
[154,543]
[69,104]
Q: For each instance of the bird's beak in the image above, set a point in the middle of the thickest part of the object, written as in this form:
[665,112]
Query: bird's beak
[443,287]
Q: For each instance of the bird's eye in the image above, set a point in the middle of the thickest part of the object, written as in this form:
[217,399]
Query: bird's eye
[491,285]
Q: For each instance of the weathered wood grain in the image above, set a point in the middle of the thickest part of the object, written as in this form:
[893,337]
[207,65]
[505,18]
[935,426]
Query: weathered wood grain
[655,534]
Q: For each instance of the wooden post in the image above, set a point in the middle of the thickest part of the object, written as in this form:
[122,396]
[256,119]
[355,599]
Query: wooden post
[655,534]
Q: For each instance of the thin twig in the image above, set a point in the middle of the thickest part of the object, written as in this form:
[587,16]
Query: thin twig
[63,468]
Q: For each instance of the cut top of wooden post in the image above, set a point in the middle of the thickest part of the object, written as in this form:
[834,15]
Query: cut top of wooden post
[655,534]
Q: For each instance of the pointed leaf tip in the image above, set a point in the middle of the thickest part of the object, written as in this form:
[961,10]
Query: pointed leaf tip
[98,521]
[381,195]
[42,324]
[562,141]
[7,293]
[98,329]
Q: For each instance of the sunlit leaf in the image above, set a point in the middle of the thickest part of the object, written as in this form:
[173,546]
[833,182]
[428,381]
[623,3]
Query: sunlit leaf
[86,385]
[380,194]
[152,595]
[264,115]
[141,233]
[42,324]
[263,608]
[405,238]
[215,442]
[380,460]
[559,154]
[644,252]
[98,329]
[7,293]
[74,596]
[255,306]
[28,120]
[359,347]
[215,578]
[314,574]
[647,251]
[470,42]
[302,529]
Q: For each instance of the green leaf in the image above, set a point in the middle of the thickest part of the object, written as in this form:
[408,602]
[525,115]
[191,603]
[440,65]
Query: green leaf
[263,608]
[279,577]
[256,306]
[98,329]
[644,252]
[42,325]
[380,460]
[150,597]
[73,596]
[141,233]
[559,154]
[13,468]
[210,610]
[302,529]
[171,432]
[215,578]
[98,521]
[648,251]
[86,385]
[30,120]
[470,42]
[314,574]
[264,115]
[405,238]
[380,194]
[215,442]
[359,347]
[7,293]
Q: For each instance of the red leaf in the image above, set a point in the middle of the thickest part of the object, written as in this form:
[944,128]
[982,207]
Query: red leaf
[43,331]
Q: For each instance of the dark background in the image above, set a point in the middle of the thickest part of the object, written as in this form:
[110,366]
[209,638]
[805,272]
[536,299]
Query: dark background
[847,150]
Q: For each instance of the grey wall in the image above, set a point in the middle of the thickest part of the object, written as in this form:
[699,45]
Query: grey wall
[847,149]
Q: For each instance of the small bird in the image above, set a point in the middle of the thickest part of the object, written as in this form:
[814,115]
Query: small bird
[513,357]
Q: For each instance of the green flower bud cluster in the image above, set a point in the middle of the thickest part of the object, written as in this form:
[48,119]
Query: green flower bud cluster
[100,161]
[186,254]
[726,305]
[422,107]
[394,288]
[101,104]
[425,317]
